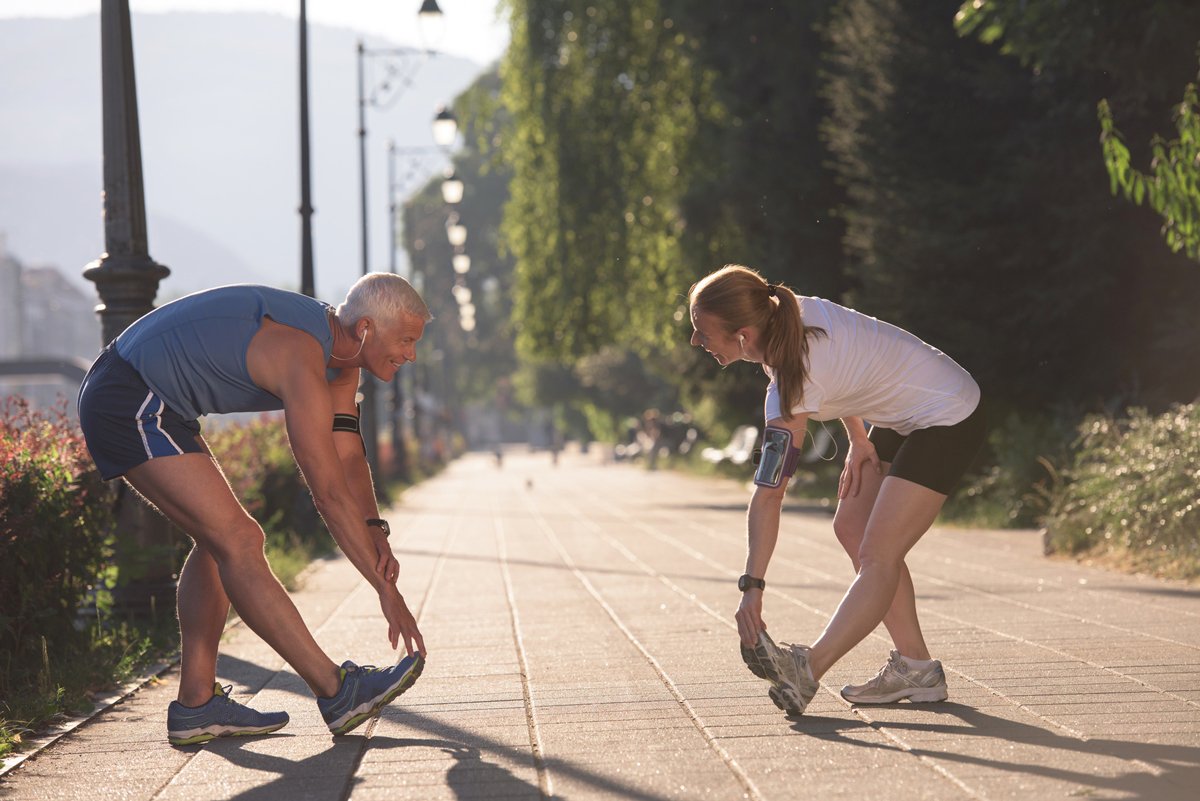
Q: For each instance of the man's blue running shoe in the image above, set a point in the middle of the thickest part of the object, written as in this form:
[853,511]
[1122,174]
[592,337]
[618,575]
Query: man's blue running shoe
[220,717]
[365,690]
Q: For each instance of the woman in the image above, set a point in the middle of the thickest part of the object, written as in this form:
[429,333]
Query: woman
[827,361]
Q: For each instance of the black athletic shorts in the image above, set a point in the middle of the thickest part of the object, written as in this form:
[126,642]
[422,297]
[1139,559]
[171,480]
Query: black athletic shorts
[124,423]
[934,457]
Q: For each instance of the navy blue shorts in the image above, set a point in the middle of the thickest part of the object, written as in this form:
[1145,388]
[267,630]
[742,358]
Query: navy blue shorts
[936,457]
[124,423]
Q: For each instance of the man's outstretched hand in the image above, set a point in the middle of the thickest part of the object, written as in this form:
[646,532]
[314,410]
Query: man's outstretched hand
[401,622]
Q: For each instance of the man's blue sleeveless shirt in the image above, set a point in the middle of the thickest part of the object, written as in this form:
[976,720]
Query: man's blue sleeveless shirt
[192,352]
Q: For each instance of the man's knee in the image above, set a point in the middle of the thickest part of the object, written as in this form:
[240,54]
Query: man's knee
[240,537]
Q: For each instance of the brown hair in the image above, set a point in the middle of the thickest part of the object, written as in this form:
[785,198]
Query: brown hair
[739,297]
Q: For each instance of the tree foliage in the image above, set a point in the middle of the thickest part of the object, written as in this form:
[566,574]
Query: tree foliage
[601,97]
[1173,185]
[929,162]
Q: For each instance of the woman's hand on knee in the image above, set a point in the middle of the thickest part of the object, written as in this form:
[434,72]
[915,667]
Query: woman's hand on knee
[749,617]
[861,455]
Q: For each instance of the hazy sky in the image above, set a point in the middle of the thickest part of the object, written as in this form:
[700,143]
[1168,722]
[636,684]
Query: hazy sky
[471,27]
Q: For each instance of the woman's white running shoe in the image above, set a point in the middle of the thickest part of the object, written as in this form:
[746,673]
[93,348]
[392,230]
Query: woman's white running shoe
[897,680]
[786,668]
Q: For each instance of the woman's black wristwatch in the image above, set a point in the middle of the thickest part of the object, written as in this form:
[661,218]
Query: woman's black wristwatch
[383,524]
[747,582]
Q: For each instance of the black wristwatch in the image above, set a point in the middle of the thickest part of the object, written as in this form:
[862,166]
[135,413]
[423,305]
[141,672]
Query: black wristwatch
[383,524]
[747,582]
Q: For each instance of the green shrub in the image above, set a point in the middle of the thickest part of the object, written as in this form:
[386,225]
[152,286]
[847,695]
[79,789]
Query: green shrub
[1133,489]
[56,545]
[55,535]
[1019,470]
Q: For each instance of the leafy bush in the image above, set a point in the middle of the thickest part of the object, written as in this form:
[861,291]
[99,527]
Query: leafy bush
[1133,490]
[55,534]
[1013,486]
[57,537]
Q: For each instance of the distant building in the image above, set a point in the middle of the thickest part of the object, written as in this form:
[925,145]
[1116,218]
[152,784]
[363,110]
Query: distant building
[11,316]
[43,315]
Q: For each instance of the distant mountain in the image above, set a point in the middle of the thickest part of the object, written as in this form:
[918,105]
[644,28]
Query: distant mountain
[218,101]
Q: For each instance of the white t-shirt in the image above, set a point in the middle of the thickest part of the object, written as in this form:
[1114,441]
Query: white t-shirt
[864,367]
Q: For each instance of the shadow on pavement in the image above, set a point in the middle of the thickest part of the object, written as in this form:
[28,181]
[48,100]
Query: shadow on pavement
[469,777]
[473,741]
[1177,764]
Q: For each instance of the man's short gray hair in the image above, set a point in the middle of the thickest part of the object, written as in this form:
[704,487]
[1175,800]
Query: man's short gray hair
[383,297]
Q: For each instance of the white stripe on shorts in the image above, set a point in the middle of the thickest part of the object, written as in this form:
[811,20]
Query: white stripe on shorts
[158,426]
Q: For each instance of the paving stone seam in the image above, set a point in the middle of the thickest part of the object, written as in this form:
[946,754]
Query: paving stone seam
[111,699]
[1052,612]
[738,771]
[1111,596]
[102,705]
[879,727]
[810,542]
[545,780]
[1075,657]
[961,562]
[968,625]
[858,710]
[435,576]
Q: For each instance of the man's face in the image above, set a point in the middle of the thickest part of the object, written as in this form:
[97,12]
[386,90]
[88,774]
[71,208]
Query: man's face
[396,345]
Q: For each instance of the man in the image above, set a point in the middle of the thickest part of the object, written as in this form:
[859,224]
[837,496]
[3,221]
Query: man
[254,348]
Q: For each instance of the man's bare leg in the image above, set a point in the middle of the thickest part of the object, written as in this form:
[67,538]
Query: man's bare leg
[191,491]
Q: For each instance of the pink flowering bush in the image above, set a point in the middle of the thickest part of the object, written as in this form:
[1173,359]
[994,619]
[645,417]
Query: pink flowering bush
[55,531]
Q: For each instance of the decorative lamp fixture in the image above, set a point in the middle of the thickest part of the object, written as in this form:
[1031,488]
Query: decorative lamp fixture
[445,127]
[452,188]
[431,24]
[456,232]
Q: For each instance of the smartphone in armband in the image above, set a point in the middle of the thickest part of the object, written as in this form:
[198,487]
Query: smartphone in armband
[778,459]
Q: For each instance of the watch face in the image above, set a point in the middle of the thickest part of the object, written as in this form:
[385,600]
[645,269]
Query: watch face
[747,582]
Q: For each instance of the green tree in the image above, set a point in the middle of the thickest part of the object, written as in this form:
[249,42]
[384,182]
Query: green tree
[602,98]
[979,218]
[1133,56]
[1173,185]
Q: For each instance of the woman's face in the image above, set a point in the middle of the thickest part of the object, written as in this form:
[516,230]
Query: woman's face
[710,335]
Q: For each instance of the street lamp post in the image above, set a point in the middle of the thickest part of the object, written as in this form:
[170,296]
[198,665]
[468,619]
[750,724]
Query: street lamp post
[127,280]
[419,163]
[394,83]
[307,280]
[126,277]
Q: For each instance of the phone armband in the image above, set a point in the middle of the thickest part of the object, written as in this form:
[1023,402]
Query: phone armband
[778,458]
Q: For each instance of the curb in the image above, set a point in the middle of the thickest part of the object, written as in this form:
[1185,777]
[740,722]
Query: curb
[102,704]
[53,734]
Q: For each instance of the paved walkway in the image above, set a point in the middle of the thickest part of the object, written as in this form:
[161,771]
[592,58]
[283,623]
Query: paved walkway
[579,621]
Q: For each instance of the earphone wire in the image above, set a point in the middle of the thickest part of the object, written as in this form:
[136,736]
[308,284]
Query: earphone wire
[832,439]
[361,342]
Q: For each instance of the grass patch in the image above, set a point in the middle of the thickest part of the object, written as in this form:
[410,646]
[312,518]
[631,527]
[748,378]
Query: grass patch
[73,672]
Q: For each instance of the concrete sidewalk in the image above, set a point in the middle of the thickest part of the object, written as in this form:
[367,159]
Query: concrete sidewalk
[581,645]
